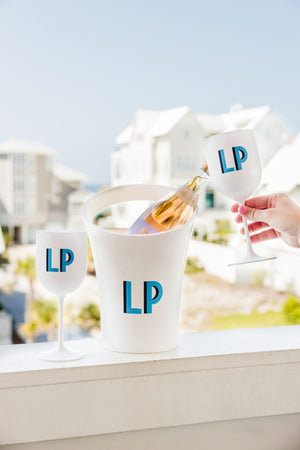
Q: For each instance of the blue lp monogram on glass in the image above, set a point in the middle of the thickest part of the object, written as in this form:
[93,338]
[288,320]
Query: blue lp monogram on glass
[148,299]
[66,258]
[240,155]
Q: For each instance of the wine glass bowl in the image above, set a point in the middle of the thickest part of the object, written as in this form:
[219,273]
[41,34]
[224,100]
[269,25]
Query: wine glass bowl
[55,250]
[234,174]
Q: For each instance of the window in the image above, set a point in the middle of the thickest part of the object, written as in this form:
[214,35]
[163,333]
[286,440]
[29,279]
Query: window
[186,134]
[268,133]
[19,207]
[210,200]
[31,206]
[19,185]
[19,160]
[31,160]
[185,162]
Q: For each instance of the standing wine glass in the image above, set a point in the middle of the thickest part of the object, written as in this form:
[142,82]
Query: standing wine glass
[61,262]
[235,170]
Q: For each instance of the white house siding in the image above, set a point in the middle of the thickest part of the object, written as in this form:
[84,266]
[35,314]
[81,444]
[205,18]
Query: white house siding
[187,149]
[6,188]
[162,161]
[26,171]
[127,168]
[44,172]
[214,259]
[24,188]
[58,209]
[270,135]
[133,163]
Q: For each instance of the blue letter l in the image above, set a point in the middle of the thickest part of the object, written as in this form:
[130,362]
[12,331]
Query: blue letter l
[223,162]
[49,267]
[127,299]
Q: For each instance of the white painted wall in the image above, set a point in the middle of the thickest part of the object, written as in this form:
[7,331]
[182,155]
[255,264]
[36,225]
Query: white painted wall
[187,149]
[214,258]
[229,390]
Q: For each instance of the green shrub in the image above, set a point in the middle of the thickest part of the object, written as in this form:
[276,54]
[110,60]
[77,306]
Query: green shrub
[215,238]
[89,317]
[258,278]
[223,226]
[291,309]
[3,260]
[252,320]
[7,236]
[193,266]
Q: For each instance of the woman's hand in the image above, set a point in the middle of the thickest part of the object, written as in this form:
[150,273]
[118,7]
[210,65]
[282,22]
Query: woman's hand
[273,216]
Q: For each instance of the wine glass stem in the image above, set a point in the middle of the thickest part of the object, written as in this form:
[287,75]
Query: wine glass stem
[247,236]
[61,345]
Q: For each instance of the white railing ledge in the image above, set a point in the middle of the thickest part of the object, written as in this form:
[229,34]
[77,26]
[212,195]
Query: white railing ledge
[211,377]
[20,365]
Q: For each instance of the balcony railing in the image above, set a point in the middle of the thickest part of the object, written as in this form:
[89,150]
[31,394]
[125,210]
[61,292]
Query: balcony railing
[219,390]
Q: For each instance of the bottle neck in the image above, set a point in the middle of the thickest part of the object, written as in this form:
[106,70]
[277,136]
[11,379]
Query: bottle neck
[195,183]
[190,191]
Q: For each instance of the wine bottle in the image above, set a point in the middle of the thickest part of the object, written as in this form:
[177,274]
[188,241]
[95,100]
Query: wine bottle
[173,210]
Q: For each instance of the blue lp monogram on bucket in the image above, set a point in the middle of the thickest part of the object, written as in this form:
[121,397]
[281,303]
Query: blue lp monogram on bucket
[240,155]
[66,257]
[149,300]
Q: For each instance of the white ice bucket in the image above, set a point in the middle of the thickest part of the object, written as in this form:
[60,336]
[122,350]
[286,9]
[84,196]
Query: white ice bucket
[139,276]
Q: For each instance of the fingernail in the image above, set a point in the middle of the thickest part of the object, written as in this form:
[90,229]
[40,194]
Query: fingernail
[243,209]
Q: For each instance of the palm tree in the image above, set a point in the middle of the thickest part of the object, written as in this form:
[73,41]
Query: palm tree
[89,317]
[26,267]
[29,330]
[41,317]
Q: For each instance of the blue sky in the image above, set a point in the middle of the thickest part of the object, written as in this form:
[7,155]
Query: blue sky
[72,73]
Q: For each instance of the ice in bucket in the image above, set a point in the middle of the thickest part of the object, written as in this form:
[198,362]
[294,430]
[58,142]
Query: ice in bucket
[139,276]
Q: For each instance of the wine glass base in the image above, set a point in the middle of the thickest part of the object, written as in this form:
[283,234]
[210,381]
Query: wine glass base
[58,355]
[251,259]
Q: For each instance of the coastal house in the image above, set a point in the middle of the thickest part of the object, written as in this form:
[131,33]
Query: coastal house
[64,183]
[282,173]
[25,179]
[34,191]
[168,147]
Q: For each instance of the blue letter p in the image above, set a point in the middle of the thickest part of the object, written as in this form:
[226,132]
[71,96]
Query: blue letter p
[64,262]
[148,299]
[240,155]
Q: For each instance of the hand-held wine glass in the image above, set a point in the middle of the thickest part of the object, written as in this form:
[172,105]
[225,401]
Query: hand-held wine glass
[235,170]
[61,262]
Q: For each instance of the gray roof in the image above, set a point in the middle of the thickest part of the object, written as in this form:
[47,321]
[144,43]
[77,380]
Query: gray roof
[13,146]
[152,123]
[160,123]
[67,174]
